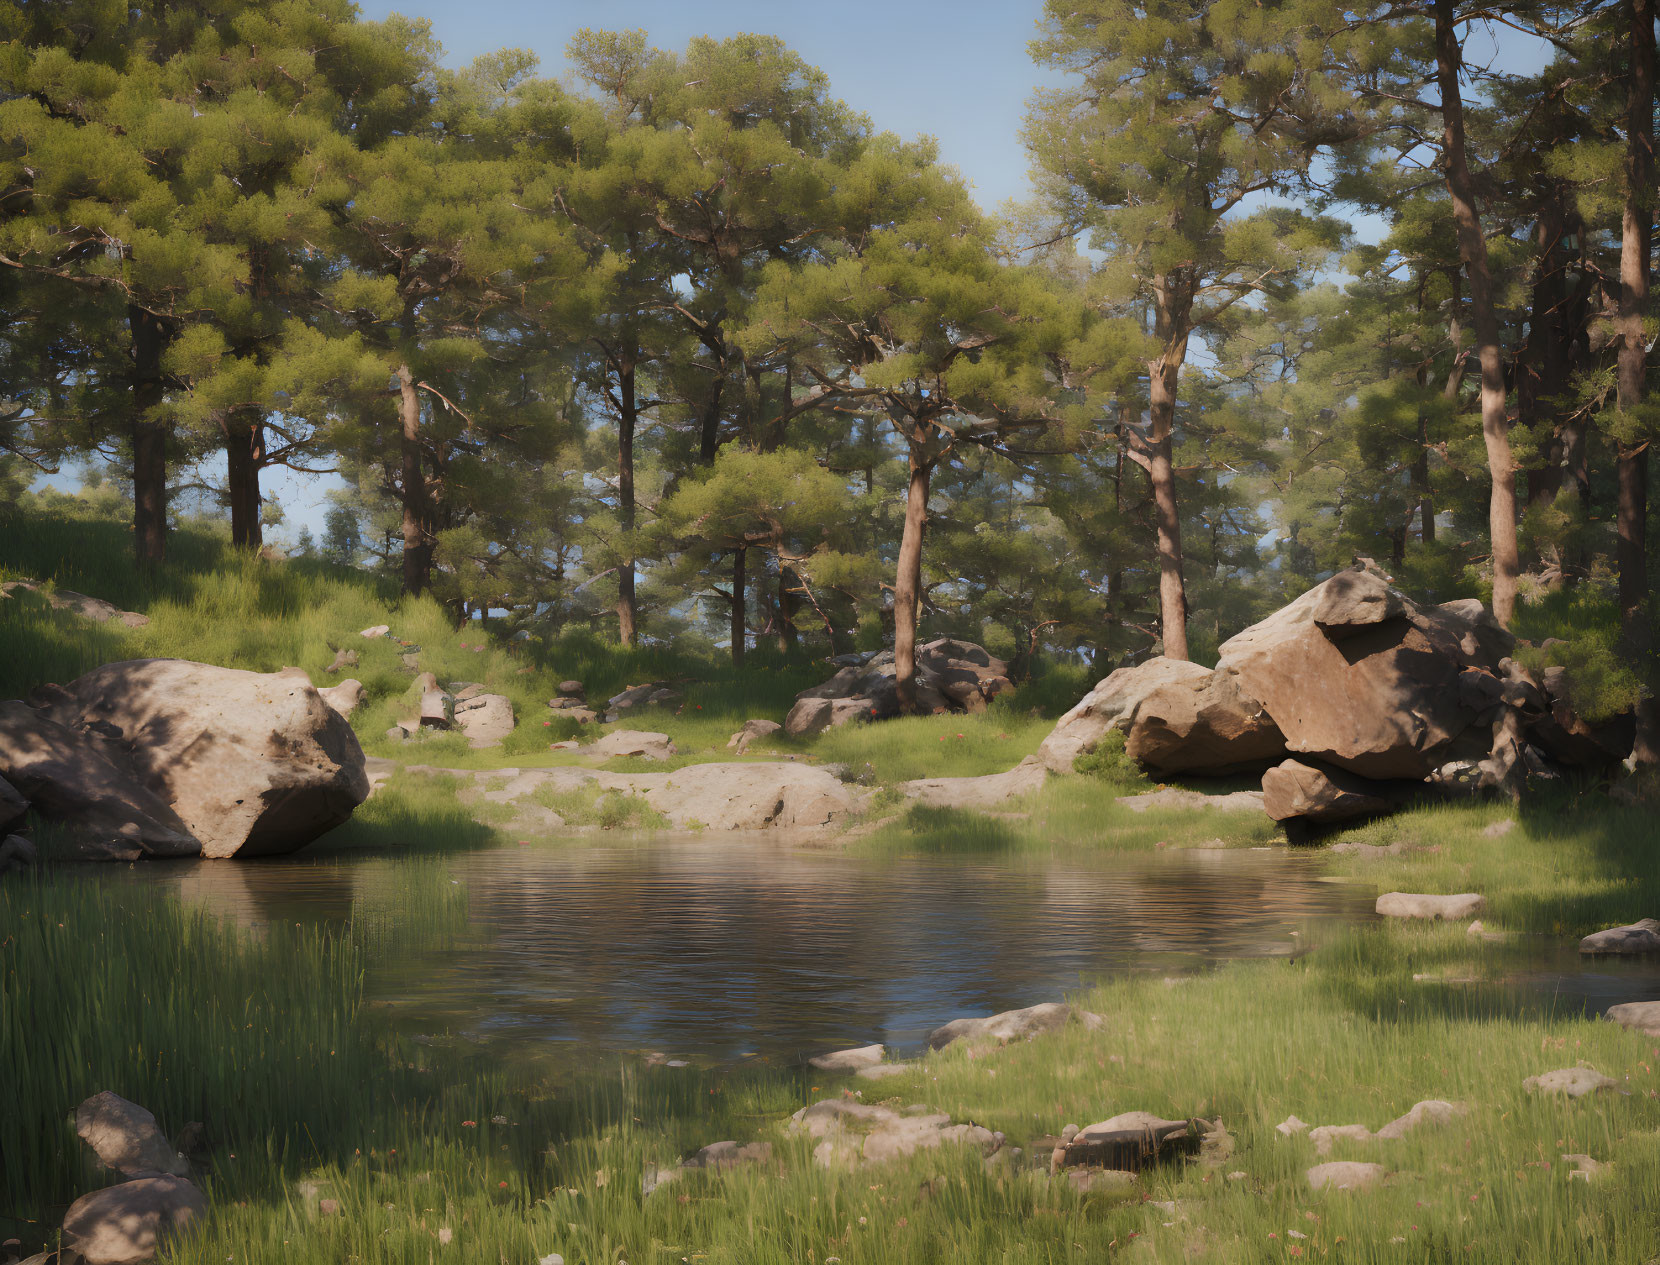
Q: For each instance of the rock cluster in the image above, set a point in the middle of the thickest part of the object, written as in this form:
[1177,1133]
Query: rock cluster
[166,758]
[486,719]
[1349,699]
[951,676]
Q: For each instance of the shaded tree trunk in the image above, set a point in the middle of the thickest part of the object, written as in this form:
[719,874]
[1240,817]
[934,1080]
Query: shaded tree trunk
[1472,249]
[417,543]
[1174,305]
[1632,366]
[628,416]
[150,336]
[244,458]
[739,633]
[907,584]
[1420,461]
[789,636]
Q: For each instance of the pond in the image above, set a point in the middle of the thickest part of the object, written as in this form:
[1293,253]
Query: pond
[712,949]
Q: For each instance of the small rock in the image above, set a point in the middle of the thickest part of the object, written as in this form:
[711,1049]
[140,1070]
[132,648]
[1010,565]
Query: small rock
[345,697]
[126,1224]
[446,1236]
[342,659]
[1499,828]
[378,630]
[1291,1125]
[397,733]
[1575,1082]
[571,689]
[1477,931]
[552,1258]
[882,1071]
[1013,1025]
[1585,1168]
[1416,905]
[1344,1175]
[1174,797]
[1089,1181]
[1238,1175]
[634,742]
[124,1136]
[328,1207]
[848,1060]
[720,1156]
[1630,940]
[752,729]
[486,719]
[1639,1016]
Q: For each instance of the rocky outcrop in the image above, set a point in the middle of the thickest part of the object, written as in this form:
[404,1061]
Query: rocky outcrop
[851,1133]
[162,757]
[13,807]
[1373,697]
[951,676]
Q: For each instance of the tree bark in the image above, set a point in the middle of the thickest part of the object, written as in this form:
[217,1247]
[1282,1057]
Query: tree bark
[789,636]
[907,584]
[417,542]
[150,336]
[1420,460]
[1632,366]
[244,457]
[739,633]
[1472,249]
[1542,368]
[628,416]
[1174,305]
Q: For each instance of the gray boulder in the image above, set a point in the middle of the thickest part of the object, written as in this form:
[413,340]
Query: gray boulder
[486,719]
[1421,905]
[752,730]
[251,763]
[814,715]
[129,1223]
[1013,1025]
[1639,1016]
[124,1136]
[1111,705]
[17,853]
[1633,939]
[85,788]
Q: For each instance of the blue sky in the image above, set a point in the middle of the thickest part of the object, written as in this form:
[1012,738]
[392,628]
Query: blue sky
[957,70]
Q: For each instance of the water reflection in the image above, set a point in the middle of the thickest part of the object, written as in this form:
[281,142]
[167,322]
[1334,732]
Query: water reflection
[709,949]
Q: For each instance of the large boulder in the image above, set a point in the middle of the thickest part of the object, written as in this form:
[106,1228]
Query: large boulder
[129,1223]
[814,715]
[1206,725]
[1358,675]
[251,763]
[1111,705]
[1294,789]
[84,787]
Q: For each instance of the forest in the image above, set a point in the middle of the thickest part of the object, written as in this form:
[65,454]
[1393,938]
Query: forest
[680,346]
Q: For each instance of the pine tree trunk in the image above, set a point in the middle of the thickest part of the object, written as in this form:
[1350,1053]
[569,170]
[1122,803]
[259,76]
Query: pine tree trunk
[150,336]
[789,636]
[628,415]
[1420,461]
[1171,329]
[907,584]
[1472,249]
[1632,366]
[738,631]
[417,545]
[244,456]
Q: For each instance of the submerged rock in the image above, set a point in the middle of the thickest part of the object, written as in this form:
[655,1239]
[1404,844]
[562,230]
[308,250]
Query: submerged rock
[1635,938]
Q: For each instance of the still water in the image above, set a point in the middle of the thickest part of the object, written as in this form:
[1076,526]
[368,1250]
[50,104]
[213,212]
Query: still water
[711,950]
